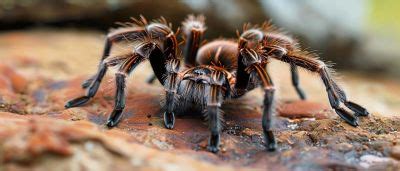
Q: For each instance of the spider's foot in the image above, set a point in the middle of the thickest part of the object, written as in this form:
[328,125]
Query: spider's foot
[213,143]
[271,146]
[349,118]
[77,102]
[114,118]
[212,149]
[169,120]
[85,84]
[270,142]
[111,124]
[359,110]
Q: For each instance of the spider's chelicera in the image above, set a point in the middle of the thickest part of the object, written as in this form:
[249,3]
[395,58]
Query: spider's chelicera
[213,72]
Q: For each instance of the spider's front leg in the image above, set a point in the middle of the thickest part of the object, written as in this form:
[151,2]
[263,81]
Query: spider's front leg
[218,83]
[254,66]
[213,110]
[127,65]
[171,85]
[116,36]
[102,69]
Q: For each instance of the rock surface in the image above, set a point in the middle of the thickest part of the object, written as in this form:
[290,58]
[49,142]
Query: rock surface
[47,67]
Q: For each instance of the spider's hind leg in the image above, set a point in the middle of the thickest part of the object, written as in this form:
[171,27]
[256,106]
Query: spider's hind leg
[296,83]
[193,29]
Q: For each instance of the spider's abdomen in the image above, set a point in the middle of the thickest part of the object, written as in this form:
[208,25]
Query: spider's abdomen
[219,52]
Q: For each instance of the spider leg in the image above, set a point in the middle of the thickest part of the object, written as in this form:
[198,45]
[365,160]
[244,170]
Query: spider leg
[101,68]
[252,63]
[336,95]
[92,89]
[86,83]
[193,28]
[161,66]
[277,43]
[116,36]
[119,105]
[269,92]
[213,113]
[127,66]
[295,82]
[171,84]
[95,84]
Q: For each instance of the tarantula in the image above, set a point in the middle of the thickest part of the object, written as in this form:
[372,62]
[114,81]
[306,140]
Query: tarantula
[213,72]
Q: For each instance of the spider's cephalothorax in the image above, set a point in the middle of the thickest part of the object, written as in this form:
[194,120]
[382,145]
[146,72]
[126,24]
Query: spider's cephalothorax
[213,72]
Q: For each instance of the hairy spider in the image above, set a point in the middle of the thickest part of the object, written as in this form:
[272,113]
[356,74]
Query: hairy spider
[213,72]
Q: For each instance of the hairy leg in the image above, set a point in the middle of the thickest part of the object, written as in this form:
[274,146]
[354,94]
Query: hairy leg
[252,65]
[193,29]
[95,84]
[119,35]
[126,66]
[214,117]
[268,110]
[336,95]
[92,89]
[295,82]
[119,104]
[171,85]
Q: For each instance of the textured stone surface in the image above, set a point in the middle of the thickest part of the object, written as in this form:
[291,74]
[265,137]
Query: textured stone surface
[40,143]
[36,130]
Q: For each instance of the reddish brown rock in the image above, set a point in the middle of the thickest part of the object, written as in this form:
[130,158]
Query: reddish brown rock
[18,82]
[32,138]
[5,84]
[305,109]
[395,152]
